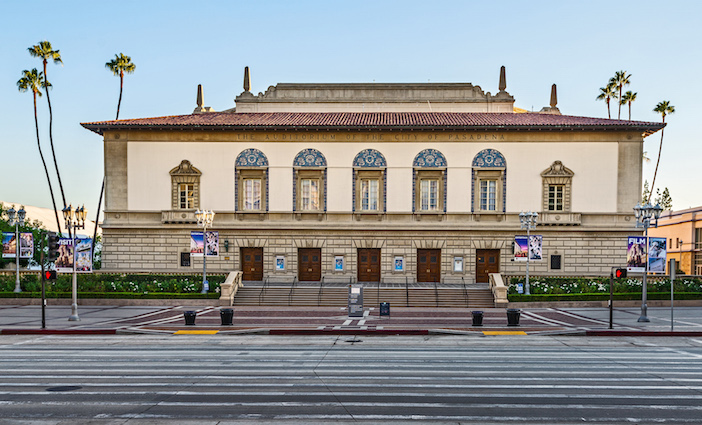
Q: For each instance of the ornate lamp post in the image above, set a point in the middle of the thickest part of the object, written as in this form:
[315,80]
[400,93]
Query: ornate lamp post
[11,214]
[74,220]
[528,220]
[644,214]
[204,220]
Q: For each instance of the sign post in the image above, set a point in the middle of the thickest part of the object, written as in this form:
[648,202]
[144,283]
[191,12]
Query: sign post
[672,290]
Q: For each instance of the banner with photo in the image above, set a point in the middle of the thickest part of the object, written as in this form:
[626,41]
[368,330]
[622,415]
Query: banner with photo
[64,262]
[636,254]
[532,246]
[9,245]
[84,255]
[200,241]
[657,255]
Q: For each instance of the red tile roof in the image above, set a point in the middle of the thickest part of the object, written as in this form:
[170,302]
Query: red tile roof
[375,121]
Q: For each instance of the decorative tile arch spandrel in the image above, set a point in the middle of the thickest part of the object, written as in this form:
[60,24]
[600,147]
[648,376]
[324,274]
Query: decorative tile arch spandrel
[251,158]
[429,158]
[310,158]
[489,158]
[369,158]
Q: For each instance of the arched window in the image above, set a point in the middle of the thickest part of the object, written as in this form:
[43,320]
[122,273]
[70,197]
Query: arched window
[429,182]
[310,181]
[251,181]
[489,184]
[369,184]
[185,186]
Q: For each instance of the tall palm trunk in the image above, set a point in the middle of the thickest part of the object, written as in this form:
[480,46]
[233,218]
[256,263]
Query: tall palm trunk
[46,169]
[657,162]
[619,114]
[53,151]
[609,115]
[629,111]
[121,85]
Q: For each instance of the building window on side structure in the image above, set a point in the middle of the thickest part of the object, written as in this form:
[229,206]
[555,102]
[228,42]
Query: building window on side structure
[369,182]
[251,181]
[309,181]
[557,182]
[185,186]
[430,176]
[489,180]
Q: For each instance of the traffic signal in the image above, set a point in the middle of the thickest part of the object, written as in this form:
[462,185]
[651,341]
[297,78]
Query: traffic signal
[53,244]
[50,274]
[619,273]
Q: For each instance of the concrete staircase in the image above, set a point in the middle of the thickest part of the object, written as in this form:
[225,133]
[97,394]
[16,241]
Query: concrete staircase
[337,296]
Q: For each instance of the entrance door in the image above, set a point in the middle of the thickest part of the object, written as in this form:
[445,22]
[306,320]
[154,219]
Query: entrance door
[252,263]
[369,264]
[428,265]
[486,261]
[309,264]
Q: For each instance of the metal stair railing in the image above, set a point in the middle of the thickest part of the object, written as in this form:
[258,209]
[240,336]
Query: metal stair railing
[266,281]
[406,291]
[436,294]
[319,294]
[465,291]
[292,288]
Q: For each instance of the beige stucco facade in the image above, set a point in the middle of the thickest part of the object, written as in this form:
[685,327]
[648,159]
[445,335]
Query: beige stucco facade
[683,232]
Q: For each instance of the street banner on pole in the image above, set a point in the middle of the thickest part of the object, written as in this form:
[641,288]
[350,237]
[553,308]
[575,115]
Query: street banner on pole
[657,255]
[636,254]
[9,245]
[84,255]
[532,246]
[64,262]
[197,243]
[27,245]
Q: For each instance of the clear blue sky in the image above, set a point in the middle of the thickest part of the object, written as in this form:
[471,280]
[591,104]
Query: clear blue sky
[179,44]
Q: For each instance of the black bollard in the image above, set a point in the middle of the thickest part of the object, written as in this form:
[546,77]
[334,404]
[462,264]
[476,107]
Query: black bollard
[189,317]
[477,318]
[226,314]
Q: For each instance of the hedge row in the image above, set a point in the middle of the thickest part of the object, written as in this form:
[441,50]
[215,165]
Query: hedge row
[600,285]
[603,297]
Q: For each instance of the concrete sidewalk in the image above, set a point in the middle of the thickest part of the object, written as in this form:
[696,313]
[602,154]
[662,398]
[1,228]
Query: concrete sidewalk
[310,320]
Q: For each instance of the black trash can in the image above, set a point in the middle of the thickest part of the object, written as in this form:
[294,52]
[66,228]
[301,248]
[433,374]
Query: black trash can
[477,318]
[189,317]
[513,316]
[226,314]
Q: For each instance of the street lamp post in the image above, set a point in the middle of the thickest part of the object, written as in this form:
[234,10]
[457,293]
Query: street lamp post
[644,214]
[74,220]
[11,213]
[528,220]
[204,220]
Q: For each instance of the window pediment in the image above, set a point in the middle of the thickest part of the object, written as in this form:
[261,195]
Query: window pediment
[557,169]
[185,169]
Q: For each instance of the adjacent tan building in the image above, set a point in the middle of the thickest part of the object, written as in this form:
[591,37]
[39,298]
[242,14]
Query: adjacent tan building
[683,231]
[372,182]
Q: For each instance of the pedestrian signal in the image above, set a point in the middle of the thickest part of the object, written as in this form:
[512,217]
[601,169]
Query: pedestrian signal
[619,273]
[53,244]
[50,274]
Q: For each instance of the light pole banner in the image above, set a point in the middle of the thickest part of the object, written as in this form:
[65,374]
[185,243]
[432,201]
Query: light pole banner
[27,245]
[8,244]
[64,262]
[657,255]
[84,255]
[636,254]
[532,246]
[197,244]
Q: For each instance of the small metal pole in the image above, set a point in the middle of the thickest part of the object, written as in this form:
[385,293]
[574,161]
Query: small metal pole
[672,291]
[43,282]
[611,298]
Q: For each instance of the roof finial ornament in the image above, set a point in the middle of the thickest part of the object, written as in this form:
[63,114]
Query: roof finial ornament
[201,109]
[554,98]
[503,79]
[247,79]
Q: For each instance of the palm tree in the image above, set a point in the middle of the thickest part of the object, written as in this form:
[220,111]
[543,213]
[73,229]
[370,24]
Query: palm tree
[119,65]
[34,80]
[607,93]
[44,51]
[664,108]
[620,80]
[628,97]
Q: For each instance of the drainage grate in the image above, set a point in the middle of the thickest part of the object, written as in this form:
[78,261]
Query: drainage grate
[64,388]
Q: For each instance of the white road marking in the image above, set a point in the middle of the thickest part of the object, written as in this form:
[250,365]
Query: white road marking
[346,323]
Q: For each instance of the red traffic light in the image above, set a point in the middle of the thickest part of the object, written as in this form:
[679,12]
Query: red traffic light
[50,275]
[620,273]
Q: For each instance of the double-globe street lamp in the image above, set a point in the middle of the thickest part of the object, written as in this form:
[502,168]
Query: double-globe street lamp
[528,220]
[644,214]
[204,220]
[11,214]
[74,220]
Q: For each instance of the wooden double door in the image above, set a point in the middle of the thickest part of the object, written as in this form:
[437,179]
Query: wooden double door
[252,264]
[486,261]
[309,264]
[369,264]
[428,265]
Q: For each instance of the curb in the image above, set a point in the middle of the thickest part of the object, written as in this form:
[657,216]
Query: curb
[641,333]
[58,331]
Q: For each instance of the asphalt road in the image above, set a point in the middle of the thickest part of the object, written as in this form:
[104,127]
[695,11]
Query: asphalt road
[335,379]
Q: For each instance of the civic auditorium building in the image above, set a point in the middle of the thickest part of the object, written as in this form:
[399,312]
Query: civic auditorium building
[372,183]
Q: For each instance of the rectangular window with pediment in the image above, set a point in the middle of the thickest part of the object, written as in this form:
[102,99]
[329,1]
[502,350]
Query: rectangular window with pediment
[555,197]
[186,195]
[557,182]
[185,186]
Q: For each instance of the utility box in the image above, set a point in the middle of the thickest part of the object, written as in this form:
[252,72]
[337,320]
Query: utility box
[355,301]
